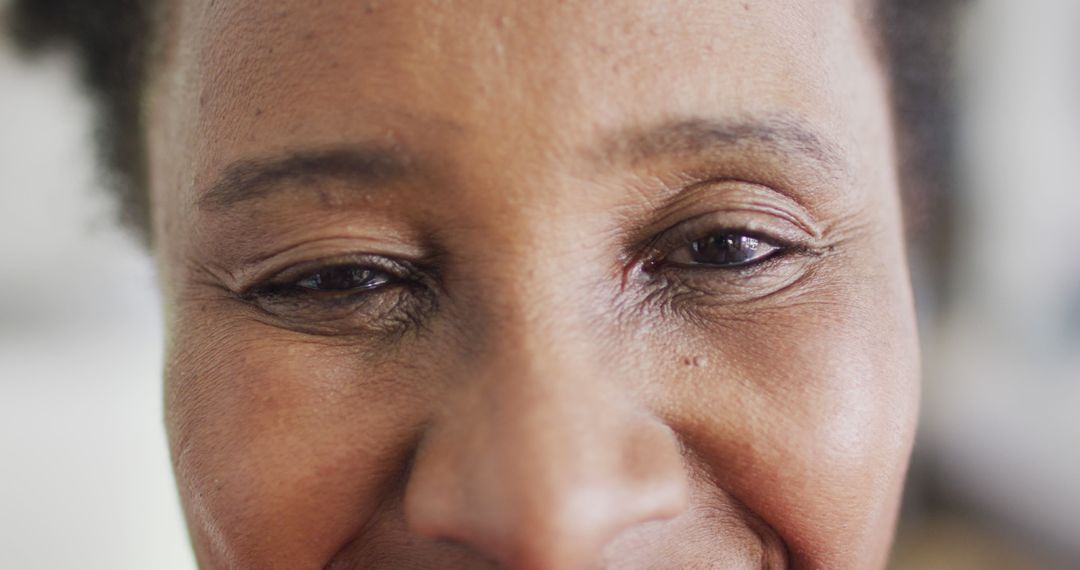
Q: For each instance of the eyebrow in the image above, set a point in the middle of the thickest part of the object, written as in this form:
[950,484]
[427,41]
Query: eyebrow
[780,135]
[358,166]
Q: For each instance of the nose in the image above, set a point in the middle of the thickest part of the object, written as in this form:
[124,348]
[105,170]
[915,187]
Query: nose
[539,460]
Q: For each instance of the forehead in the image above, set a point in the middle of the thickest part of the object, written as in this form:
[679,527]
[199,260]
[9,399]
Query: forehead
[547,76]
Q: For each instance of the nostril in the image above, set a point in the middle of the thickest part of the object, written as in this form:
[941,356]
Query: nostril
[573,531]
[595,516]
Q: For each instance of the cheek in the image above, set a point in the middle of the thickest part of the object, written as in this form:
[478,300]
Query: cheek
[271,437]
[806,415]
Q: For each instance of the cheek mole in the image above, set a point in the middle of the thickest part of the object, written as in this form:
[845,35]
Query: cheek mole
[695,361]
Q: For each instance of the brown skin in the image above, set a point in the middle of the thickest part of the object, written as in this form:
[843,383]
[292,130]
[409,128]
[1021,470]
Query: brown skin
[536,371]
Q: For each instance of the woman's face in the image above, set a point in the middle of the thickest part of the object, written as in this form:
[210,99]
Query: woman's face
[533,285]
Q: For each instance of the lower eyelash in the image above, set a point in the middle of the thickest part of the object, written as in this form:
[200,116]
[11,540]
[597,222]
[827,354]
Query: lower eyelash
[688,290]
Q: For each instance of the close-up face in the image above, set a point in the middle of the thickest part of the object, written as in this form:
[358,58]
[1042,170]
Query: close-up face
[532,284]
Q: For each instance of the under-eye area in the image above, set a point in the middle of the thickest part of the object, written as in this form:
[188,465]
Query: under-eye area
[729,257]
[691,289]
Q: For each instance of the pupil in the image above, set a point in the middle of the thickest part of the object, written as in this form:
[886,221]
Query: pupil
[727,249]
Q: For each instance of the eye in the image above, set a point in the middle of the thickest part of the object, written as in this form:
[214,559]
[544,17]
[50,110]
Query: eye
[327,282]
[723,250]
[342,278]
[352,294]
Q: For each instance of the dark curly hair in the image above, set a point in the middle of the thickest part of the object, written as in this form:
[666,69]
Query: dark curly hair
[115,43]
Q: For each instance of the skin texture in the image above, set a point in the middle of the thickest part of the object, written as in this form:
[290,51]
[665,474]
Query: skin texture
[542,381]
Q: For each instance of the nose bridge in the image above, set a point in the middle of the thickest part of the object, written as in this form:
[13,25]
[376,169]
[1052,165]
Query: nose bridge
[545,407]
[537,458]
[529,301]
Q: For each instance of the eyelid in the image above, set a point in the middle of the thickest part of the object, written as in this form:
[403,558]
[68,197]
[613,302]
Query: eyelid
[777,233]
[388,309]
[313,251]
[291,274]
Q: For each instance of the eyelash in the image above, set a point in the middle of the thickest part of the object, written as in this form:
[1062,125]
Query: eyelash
[287,283]
[657,255]
[395,304]
[695,291]
[296,287]
[664,252]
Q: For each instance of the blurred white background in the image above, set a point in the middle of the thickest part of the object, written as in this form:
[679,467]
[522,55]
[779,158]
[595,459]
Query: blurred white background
[85,480]
[1002,403]
[84,472]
